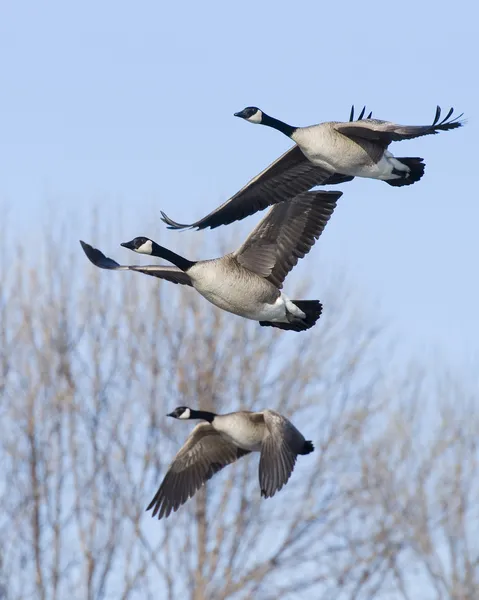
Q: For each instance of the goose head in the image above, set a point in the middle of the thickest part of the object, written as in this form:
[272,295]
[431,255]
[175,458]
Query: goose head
[142,245]
[251,113]
[181,412]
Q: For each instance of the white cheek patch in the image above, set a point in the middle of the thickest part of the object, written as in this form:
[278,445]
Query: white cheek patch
[185,415]
[256,118]
[146,248]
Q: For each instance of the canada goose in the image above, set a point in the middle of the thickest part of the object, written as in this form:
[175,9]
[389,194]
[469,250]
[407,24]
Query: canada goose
[221,441]
[247,282]
[360,148]
[291,174]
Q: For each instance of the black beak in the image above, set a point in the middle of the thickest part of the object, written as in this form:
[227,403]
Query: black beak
[239,114]
[128,245]
[169,414]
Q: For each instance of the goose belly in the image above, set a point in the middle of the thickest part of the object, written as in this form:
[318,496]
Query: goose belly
[341,154]
[246,441]
[247,307]
[248,296]
[241,433]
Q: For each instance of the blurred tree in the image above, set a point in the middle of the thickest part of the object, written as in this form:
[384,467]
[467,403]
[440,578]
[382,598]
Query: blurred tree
[91,362]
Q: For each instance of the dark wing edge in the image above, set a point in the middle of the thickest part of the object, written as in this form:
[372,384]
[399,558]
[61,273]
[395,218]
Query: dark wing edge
[168,273]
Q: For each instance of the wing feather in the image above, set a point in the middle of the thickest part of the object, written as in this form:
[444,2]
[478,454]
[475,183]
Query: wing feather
[385,132]
[279,451]
[291,228]
[204,453]
[168,273]
[291,174]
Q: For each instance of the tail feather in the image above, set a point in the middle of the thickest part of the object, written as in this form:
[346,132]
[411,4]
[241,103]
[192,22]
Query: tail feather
[307,448]
[311,308]
[416,171]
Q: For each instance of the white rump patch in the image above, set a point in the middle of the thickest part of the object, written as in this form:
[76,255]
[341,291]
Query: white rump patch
[292,308]
[277,312]
[384,168]
[146,248]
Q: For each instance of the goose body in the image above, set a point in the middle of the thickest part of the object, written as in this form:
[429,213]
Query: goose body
[359,148]
[327,153]
[228,285]
[287,177]
[248,281]
[220,441]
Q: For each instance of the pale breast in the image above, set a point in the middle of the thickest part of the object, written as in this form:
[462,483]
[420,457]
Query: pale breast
[238,429]
[232,287]
[325,146]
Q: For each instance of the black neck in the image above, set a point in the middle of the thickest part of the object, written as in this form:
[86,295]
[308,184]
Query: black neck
[182,263]
[202,414]
[277,124]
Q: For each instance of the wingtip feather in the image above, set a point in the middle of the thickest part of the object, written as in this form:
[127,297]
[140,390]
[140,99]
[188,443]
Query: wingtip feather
[447,122]
[173,224]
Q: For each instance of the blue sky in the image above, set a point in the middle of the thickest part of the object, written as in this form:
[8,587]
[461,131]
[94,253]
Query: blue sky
[131,105]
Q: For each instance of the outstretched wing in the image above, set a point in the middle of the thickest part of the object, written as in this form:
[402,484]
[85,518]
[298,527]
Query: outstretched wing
[204,453]
[286,234]
[279,450]
[291,174]
[168,273]
[385,132]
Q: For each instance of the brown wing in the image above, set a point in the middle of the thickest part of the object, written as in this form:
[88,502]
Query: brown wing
[204,453]
[290,175]
[286,234]
[384,132]
[168,273]
[279,450]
